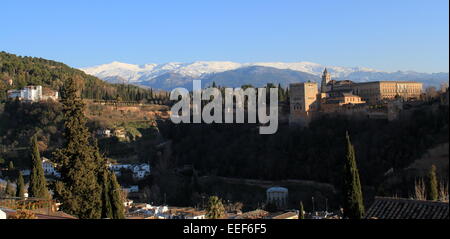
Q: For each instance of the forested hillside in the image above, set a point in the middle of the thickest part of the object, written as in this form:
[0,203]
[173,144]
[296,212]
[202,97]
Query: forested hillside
[316,153]
[25,71]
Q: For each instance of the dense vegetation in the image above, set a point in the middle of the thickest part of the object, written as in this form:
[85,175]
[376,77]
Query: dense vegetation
[25,71]
[315,153]
[19,122]
[86,189]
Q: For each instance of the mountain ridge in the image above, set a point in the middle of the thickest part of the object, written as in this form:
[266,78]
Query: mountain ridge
[176,74]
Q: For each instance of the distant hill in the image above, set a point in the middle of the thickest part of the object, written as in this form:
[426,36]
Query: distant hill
[168,81]
[258,76]
[170,75]
[255,75]
[25,71]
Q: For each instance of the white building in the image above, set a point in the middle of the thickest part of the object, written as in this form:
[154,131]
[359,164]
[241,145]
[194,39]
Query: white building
[33,94]
[118,167]
[140,171]
[106,133]
[278,196]
[128,203]
[2,215]
[195,215]
[131,189]
[25,172]
[49,168]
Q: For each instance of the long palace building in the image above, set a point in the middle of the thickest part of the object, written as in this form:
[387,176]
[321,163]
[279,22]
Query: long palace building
[372,92]
[334,96]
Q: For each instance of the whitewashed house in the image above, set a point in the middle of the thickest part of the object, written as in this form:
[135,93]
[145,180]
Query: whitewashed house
[140,171]
[50,168]
[105,133]
[116,168]
[128,203]
[25,172]
[2,215]
[131,189]
[33,94]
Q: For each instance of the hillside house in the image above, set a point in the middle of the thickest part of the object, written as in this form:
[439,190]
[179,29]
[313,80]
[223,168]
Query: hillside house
[140,171]
[104,133]
[49,168]
[33,94]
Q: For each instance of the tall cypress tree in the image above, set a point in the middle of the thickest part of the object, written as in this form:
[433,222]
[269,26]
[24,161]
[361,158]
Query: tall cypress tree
[107,209]
[78,188]
[112,203]
[353,198]
[433,193]
[11,165]
[301,211]
[20,189]
[118,211]
[38,184]
[111,196]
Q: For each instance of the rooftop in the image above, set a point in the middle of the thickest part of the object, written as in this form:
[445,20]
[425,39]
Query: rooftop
[393,208]
[256,214]
[277,189]
[285,215]
[372,82]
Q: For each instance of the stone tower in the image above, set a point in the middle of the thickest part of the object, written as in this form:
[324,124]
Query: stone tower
[326,78]
[303,102]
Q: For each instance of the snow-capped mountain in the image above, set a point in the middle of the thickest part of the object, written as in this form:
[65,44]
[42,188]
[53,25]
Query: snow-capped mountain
[138,73]
[175,74]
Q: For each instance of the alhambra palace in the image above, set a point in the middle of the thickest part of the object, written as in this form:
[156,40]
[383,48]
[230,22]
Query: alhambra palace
[378,99]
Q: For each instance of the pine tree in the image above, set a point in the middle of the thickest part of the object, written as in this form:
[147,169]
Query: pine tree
[20,189]
[353,198]
[11,165]
[215,208]
[38,184]
[433,193]
[301,211]
[78,188]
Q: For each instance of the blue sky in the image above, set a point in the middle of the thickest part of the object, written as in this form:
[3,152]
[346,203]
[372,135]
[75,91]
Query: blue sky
[383,34]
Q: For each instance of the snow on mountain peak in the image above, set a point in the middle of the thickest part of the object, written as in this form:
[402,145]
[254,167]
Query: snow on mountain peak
[138,73]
